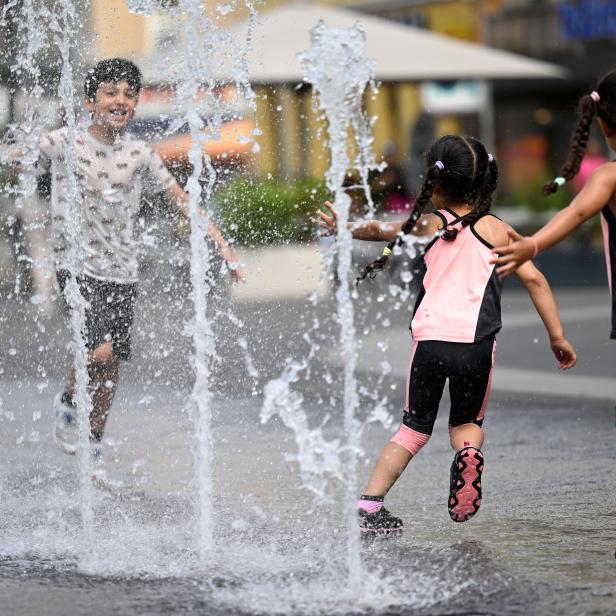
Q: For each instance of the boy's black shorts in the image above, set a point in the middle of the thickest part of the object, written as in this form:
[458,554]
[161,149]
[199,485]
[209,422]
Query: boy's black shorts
[108,314]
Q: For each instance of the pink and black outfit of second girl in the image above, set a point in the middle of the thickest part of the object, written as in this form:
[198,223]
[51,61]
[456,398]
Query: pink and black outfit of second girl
[456,318]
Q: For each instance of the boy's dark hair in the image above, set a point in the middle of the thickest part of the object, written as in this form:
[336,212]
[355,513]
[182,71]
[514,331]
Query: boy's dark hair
[464,172]
[113,71]
[601,103]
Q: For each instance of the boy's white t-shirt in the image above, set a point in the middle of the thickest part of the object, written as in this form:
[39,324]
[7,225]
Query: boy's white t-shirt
[110,180]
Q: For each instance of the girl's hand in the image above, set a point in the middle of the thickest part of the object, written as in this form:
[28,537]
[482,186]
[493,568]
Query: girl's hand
[510,257]
[564,352]
[233,266]
[328,224]
[237,274]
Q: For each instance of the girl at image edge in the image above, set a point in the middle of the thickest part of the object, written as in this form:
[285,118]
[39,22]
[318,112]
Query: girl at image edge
[598,195]
[455,321]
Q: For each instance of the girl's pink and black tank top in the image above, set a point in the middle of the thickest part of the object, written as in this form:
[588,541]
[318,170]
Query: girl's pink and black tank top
[460,295]
[608,225]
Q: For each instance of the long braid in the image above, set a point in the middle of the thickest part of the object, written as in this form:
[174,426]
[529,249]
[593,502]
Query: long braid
[587,110]
[425,194]
[485,196]
[427,188]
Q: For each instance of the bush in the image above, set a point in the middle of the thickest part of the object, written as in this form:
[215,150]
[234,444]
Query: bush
[255,212]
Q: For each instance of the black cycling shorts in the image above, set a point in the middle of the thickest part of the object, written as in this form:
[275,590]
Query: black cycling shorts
[468,366]
[108,314]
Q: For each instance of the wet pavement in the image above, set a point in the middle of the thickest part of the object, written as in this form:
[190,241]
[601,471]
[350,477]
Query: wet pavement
[543,542]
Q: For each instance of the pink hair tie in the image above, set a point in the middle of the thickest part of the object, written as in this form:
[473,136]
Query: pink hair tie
[535,245]
[595,96]
[440,165]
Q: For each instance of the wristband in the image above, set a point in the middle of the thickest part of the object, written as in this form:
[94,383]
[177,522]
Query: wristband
[535,245]
[386,251]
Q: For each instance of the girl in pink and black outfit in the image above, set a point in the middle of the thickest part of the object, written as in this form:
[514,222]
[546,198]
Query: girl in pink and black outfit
[456,318]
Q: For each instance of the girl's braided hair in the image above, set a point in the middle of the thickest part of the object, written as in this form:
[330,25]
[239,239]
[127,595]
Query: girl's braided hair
[601,103]
[464,173]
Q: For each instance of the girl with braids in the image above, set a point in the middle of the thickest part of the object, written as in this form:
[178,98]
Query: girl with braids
[456,319]
[598,195]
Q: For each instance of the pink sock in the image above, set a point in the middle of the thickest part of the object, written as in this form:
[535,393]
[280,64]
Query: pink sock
[369,506]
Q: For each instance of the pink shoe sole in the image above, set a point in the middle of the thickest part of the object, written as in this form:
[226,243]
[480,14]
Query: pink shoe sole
[465,486]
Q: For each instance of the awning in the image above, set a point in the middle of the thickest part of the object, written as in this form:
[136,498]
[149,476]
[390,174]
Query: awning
[402,53]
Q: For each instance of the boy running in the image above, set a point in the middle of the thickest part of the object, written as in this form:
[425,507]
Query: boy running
[112,171]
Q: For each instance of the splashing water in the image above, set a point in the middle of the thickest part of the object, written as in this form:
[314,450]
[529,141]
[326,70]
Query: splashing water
[60,21]
[201,41]
[318,458]
[276,553]
[83,400]
[339,72]
[59,35]
[143,7]
[200,264]
[336,67]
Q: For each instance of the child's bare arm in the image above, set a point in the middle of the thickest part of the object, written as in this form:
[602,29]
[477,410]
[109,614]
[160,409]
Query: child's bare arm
[371,230]
[543,300]
[375,230]
[180,199]
[591,199]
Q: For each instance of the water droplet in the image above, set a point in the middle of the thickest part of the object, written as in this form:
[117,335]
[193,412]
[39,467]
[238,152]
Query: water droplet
[224,9]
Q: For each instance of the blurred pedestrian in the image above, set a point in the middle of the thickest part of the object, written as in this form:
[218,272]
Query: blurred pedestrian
[388,185]
[25,219]
[455,322]
[592,160]
[597,196]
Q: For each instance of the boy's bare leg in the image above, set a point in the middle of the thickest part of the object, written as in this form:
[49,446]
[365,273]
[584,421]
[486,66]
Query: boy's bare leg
[392,462]
[103,381]
[466,435]
[69,390]
[103,371]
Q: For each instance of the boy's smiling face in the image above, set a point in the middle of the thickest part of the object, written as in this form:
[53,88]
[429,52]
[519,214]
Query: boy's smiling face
[113,106]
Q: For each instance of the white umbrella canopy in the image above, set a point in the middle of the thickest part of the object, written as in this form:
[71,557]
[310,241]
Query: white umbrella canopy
[402,53]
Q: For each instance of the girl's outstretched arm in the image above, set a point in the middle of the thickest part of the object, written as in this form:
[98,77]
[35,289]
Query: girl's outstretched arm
[591,200]
[375,230]
[543,300]
[371,230]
